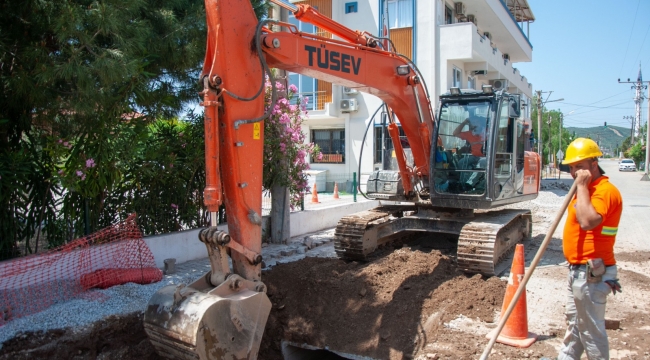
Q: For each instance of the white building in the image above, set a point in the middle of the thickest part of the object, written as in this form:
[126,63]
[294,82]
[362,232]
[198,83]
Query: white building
[461,44]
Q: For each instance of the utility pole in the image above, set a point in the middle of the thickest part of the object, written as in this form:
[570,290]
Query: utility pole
[631,120]
[550,152]
[560,147]
[646,176]
[540,109]
[539,122]
[561,120]
[638,99]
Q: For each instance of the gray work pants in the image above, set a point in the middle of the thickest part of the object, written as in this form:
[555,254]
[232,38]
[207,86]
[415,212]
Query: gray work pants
[585,312]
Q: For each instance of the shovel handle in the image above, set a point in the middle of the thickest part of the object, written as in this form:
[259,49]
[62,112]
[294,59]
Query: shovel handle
[529,273]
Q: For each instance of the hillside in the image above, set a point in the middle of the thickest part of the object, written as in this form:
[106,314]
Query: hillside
[608,137]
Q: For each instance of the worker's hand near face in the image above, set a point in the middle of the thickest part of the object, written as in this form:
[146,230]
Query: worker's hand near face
[583,177]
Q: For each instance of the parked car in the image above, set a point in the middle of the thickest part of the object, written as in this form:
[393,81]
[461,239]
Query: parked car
[626,165]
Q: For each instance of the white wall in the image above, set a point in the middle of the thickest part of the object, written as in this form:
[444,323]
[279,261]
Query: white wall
[185,245]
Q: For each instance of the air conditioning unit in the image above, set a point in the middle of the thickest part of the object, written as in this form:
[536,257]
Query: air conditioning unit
[499,84]
[350,91]
[506,57]
[459,8]
[472,19]
[349,105]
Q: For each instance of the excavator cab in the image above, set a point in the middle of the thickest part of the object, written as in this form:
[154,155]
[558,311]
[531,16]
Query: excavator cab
[480,158]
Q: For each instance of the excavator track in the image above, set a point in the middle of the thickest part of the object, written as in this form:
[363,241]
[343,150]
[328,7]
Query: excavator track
[490,236]
[353,241]
[484,238]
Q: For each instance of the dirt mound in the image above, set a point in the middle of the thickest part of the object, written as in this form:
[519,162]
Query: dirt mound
[385,309]
[116,337]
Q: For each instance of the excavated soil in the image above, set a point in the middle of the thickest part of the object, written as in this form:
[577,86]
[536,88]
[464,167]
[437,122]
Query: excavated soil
[378,309]
[116,337]
[390,308]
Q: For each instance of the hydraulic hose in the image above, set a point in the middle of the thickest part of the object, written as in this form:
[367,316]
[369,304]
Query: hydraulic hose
[372,121]
[265,70]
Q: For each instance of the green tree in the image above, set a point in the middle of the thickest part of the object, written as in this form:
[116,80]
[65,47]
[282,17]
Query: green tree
[551,131]
[82,81]
[637,151]
[76,71]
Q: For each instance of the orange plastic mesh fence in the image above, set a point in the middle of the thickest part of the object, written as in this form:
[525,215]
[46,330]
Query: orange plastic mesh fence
[112,256]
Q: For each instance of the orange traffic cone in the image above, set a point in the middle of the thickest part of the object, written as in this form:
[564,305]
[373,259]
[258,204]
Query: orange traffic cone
[336,191]
[314,194]
[515,332]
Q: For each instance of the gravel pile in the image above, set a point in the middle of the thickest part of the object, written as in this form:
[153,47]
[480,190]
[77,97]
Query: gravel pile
[96,304]
[555,185]
[123,299]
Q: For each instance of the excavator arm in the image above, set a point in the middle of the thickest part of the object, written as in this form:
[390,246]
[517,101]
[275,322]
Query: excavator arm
[223,314]
[383,74]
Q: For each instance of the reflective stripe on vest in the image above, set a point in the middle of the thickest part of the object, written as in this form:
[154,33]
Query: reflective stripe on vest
[609,231]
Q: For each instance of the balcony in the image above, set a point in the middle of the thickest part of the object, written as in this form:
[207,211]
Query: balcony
[494,16]
[329,158]
[461,43]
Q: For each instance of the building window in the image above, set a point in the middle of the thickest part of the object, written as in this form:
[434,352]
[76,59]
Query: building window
[331,143]
[350,7]
[456,76]
[307,86]
[400,13]
[384,145]
[449,15]
[471,82]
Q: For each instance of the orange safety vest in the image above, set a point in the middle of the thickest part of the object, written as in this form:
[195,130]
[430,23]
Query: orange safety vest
[581,245]
[475,141]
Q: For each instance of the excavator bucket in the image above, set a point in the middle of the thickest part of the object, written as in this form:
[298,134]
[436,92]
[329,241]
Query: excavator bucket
[226,322]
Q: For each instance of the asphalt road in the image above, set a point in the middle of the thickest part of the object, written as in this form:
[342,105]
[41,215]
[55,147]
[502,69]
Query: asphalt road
[634,228]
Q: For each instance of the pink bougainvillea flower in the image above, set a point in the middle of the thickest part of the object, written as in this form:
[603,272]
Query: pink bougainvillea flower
[293,88]
[79,173]
[90,163]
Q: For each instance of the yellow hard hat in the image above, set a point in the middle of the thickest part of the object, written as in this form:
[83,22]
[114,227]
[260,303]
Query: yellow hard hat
[581,149]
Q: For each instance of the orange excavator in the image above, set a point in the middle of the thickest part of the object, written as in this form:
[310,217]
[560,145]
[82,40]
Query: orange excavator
[478,161]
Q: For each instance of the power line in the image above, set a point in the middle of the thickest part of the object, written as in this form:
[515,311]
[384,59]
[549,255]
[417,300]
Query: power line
[601,100]
[641,48]
[609,97]
[608,107]
[590,106]
[630,38]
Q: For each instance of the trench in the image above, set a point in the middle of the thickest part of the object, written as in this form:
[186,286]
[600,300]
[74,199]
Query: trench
[293,351]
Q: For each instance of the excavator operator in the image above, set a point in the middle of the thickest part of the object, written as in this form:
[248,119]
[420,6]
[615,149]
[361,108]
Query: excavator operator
[474,138]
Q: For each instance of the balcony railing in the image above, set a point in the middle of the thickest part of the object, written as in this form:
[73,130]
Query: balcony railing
[317,99]
[329,158]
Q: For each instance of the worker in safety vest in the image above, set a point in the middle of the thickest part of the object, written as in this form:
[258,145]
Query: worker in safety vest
[588,244]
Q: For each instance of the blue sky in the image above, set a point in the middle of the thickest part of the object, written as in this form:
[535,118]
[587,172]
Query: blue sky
[580,50]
